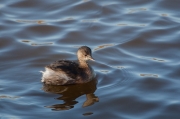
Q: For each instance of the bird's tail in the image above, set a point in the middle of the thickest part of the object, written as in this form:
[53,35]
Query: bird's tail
[41,72]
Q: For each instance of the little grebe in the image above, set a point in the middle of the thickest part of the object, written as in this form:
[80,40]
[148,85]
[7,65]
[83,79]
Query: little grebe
[66,72]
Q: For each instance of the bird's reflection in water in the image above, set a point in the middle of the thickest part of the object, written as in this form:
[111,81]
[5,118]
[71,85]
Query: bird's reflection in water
[71,92]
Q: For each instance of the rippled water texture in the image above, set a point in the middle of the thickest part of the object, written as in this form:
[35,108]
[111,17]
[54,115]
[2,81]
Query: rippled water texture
[135,44]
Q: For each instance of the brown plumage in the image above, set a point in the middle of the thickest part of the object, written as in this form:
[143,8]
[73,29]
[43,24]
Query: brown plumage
[66,72]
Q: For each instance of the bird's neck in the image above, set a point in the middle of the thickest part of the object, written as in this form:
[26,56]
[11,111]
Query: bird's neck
[83,64]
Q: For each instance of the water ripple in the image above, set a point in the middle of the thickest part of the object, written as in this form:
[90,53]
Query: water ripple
[135,45]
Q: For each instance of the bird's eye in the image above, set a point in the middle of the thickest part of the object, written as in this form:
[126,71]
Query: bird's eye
[85,55]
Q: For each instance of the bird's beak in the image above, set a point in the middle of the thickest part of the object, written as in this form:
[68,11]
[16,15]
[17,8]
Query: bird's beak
[90,58]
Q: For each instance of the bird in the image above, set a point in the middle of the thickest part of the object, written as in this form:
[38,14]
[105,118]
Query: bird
[66,72]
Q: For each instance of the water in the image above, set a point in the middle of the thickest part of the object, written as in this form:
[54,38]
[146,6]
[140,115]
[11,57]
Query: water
[135,44]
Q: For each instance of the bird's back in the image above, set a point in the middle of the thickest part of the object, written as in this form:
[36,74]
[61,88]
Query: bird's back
[64,72]
[70,68]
